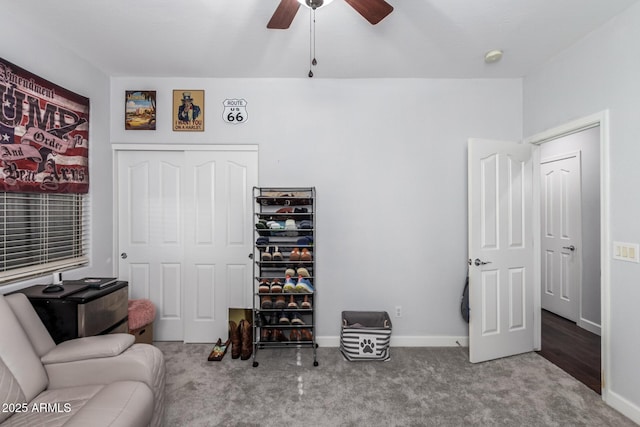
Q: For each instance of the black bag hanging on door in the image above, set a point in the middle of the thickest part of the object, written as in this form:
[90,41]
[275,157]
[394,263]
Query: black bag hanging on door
[464,303]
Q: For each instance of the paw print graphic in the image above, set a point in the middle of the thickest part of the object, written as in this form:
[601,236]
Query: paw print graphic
[367,346]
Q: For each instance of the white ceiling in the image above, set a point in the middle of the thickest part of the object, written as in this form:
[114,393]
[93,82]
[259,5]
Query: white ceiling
[229,38]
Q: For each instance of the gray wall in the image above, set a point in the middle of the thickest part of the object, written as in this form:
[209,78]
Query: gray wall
[388,158]
[40,56]
[602,72]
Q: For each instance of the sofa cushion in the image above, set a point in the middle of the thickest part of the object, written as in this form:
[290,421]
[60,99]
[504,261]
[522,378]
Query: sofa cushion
[119,404]
[123,403]
[10,392]
[18,355]
[53,408]
[89,348]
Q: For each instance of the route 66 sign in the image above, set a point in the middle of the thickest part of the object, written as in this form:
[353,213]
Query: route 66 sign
[235,111]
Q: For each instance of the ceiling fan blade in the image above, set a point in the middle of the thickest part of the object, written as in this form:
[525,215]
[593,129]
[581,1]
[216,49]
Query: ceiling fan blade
[373,11]
[284,14]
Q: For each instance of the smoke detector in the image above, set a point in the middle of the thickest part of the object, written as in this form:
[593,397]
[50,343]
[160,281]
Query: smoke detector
[493,56]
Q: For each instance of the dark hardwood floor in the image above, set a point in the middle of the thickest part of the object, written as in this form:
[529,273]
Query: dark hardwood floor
[575,350]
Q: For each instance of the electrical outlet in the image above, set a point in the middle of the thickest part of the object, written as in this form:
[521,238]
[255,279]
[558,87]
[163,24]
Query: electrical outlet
[398,311]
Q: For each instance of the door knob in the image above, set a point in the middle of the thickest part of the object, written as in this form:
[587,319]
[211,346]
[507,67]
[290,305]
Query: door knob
[477,261]
[571,248]
[123,255]
[251,256]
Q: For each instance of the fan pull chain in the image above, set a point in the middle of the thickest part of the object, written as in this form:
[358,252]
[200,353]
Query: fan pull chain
[314,62]
[312,39]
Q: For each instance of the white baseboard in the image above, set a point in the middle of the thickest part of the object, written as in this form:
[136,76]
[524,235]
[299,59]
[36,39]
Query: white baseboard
[623,406]
[406,341]
[589,326]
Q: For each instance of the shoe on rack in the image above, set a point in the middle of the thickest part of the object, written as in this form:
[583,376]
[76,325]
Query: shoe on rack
[276,255]
[266,335]
[290,272]
[304,285]
[284,319]
[302,272]
[290,226]
[306,304]
[296,319]
[247,339]
[294,335]
[306,335]
[305,255]
[276,286]
[294,255]
[266,303]
[289,286]
[236,340]
[278,335]
[280,302]
[292,303]
[266,254]
[264,287]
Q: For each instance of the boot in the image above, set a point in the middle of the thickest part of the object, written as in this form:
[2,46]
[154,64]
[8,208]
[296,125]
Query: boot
[246,335]
[236,342]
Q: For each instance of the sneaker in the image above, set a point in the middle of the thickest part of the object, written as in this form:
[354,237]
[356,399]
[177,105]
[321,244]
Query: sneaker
[292,303]
[289,286]
[276,255]
[284,319]
[304,285]
[265,287]
[296,319]
[266,303]
[280,302]
[276,286]
[306,304]
[266,255]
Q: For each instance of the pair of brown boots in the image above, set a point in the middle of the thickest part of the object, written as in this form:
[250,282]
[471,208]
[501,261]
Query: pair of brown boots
[241,337]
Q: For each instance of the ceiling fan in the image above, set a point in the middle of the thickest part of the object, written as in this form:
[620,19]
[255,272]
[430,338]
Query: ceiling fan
[373,11]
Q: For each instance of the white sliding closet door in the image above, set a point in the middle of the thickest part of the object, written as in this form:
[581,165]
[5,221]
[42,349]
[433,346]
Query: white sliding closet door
[184,221]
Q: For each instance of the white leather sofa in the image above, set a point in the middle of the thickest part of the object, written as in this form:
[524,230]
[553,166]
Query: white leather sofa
[104,380]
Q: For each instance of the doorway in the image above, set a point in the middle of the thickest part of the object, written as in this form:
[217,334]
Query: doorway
[570,254]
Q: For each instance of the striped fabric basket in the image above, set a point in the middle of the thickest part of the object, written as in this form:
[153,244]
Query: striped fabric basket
[365,335]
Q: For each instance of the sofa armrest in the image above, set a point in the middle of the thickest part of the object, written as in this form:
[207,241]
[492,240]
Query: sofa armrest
[88,348]
[140,362]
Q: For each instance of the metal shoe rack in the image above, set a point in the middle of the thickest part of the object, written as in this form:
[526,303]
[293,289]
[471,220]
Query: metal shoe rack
[284,234]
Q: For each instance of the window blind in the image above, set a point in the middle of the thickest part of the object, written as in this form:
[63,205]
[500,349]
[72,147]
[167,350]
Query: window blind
[41,233]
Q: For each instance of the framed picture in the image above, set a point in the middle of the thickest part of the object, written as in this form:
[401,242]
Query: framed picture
[188,110]
[140,110]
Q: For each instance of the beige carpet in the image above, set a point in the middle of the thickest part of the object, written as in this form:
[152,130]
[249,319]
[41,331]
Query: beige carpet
[417,387]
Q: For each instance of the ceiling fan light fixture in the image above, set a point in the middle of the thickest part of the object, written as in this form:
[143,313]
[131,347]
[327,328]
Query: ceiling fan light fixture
[492,56]
[314,4]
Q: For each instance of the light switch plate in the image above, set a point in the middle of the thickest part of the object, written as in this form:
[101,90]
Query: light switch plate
[626,251]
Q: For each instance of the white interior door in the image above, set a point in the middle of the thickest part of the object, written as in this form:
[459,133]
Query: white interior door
[185,221]
[561,225]
[219,239]
[150,228]
[500,249]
